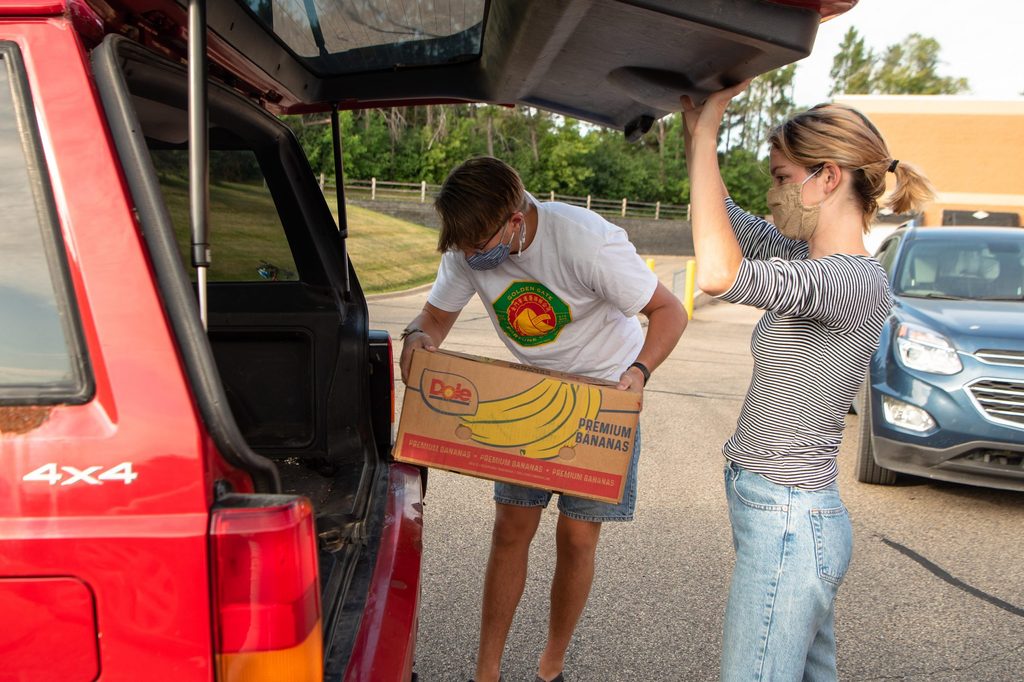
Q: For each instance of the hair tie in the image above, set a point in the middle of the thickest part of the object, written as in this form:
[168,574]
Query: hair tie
[892,166]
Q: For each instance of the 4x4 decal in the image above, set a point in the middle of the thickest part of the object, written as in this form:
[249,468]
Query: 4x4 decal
[49,473]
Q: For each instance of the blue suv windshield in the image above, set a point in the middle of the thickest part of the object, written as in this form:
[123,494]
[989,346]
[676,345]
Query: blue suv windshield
[980,269]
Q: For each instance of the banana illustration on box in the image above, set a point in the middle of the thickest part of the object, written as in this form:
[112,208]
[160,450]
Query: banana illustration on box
[539,422]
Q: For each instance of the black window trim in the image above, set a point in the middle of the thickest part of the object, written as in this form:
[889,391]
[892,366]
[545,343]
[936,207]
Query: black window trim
[891,242]
[176,291]
[82,387]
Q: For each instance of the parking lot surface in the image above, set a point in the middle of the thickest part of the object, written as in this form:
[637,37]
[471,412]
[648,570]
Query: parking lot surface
[935,591]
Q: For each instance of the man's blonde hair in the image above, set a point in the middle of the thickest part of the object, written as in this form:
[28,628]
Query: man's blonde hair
[475,200]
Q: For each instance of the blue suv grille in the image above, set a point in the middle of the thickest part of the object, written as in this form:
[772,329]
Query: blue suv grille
[1000,401]
[1014,358]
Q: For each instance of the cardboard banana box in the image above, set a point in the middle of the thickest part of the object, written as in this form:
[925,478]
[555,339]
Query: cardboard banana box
[517,423]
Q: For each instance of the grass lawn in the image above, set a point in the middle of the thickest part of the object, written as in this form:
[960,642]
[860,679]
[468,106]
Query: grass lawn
[388,254]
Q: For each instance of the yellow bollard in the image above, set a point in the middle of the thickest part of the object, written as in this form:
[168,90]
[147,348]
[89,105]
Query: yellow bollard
[688,292]
[650,264]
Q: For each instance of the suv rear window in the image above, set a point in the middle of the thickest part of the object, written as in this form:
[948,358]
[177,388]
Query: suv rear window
[351,37]
[246,233]
[41,356]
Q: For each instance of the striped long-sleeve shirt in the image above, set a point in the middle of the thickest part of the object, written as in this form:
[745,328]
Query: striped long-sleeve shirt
[811,351]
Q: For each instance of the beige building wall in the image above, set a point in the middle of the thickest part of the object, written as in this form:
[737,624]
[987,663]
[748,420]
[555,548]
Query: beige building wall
[972,150]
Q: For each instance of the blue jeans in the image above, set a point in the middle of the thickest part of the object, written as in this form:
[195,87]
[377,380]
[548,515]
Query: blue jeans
[792,550]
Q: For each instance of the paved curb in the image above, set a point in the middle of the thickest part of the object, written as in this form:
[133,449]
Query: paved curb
[396,294]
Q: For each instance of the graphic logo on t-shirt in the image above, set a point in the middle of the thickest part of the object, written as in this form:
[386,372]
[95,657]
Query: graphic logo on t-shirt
[531,314]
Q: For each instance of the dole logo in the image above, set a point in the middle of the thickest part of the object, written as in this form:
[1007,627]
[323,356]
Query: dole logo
[456,394]
[448,393]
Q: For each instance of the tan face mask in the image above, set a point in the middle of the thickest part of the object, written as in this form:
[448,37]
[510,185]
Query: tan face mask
[792,218]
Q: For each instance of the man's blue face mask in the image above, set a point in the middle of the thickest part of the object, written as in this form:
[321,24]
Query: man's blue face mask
[497,254]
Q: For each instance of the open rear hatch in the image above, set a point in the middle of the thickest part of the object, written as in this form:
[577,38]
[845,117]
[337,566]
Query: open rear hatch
[615,63]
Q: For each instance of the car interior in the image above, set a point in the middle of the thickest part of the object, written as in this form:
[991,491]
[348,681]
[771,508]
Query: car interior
[287,335]
[972,271]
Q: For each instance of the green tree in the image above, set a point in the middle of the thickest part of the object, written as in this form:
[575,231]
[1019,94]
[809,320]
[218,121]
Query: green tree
[621,169]
[747,178]
[852,66]
[551,153]
[437,156]
[911,67]
[765,104]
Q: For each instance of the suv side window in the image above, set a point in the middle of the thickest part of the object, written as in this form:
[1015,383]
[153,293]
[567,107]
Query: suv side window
[42,358]
[246,234]
[887,253]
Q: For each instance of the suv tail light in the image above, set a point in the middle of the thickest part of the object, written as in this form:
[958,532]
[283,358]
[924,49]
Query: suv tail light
[266,589]
[826,8]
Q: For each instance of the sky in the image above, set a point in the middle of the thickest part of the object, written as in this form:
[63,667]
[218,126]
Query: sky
[979,40]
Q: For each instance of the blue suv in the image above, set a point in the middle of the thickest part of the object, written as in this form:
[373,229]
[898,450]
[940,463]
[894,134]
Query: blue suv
[945,393]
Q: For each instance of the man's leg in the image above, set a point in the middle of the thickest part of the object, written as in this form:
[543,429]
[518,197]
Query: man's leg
[504,582]
[574,573]
[579,527]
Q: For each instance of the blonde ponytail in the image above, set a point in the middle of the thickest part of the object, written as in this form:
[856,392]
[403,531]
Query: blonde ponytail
[912,190]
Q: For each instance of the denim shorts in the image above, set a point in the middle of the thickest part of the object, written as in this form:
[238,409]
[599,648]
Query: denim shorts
[578,508]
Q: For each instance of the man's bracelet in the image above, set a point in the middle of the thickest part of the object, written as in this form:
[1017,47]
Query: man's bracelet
[643,370]
[408,331]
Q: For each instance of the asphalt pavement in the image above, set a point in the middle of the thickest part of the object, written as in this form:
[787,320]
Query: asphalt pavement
[935,591]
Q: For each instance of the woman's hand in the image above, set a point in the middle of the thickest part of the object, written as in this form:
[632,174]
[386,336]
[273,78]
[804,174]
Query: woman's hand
[707,117]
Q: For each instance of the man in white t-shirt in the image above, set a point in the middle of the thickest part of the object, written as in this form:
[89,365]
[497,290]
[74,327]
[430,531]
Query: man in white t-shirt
[563,287]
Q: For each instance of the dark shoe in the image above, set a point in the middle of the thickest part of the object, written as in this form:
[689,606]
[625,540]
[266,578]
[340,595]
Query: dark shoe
[556,678]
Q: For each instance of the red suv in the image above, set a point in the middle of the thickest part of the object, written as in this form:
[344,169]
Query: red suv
[194,472]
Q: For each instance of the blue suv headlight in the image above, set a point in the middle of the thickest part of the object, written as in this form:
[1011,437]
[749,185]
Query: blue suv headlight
[926,351]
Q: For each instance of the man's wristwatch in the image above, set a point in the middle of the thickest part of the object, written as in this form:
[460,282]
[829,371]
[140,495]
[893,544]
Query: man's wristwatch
[643,370]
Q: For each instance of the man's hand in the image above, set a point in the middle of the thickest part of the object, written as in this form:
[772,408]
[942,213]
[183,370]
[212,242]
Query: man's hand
[417,339]
[632,380]
[426,331]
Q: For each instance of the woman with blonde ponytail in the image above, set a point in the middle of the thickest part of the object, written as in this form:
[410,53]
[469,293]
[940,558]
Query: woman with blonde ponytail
[826,300]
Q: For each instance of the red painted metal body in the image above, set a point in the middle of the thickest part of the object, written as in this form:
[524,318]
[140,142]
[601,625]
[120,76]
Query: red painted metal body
[391,607]
[138,547]
[826,8]
[54,615]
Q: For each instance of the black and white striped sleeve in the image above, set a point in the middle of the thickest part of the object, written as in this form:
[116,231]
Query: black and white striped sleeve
[839,291]
[759,239]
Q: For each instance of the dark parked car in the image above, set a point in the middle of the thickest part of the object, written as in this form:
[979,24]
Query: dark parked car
[945,395]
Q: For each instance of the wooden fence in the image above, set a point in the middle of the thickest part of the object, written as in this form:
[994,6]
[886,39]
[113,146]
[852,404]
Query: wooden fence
[383,190]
